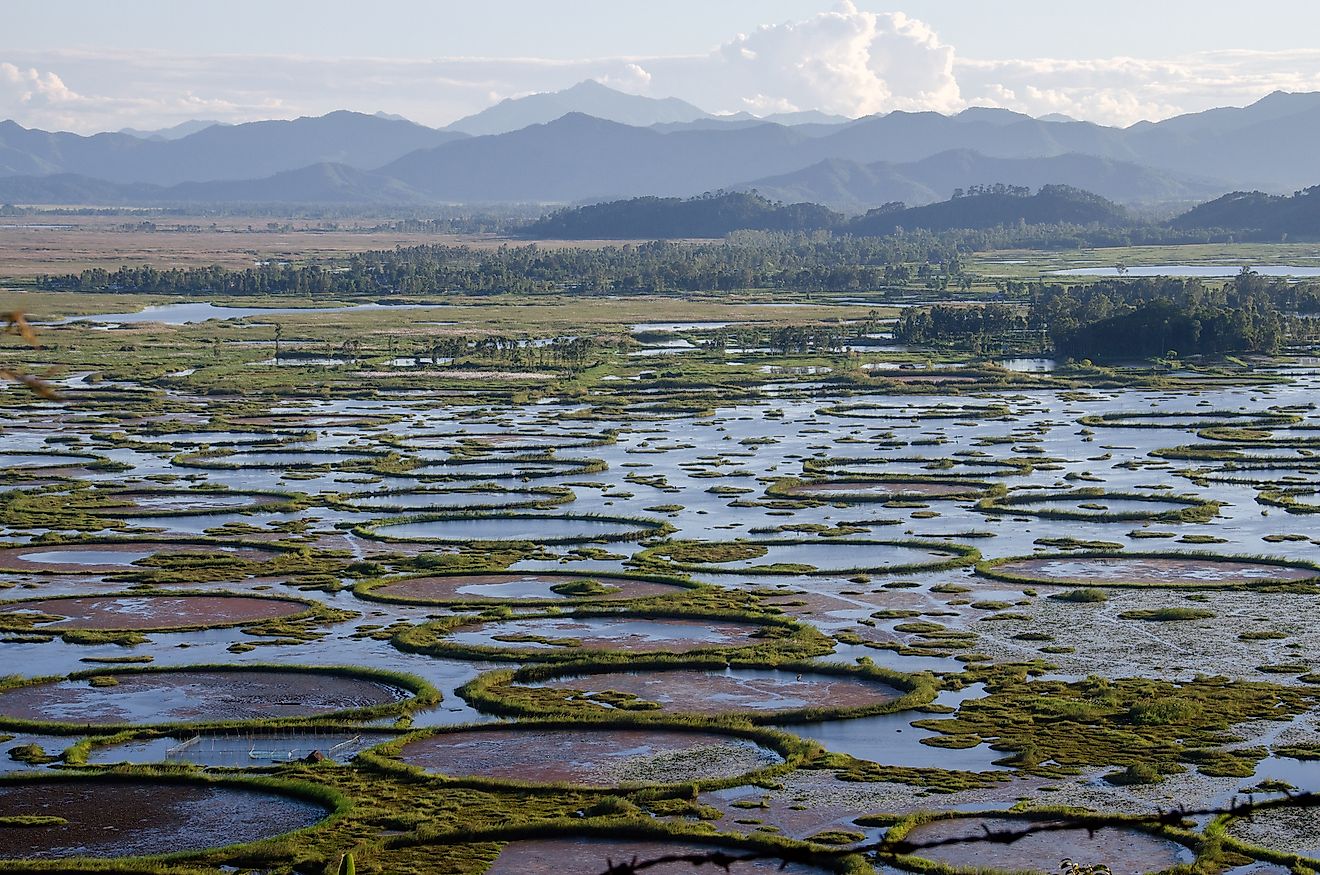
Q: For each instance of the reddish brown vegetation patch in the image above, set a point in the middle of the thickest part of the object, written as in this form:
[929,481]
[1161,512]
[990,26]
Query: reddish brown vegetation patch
[635,634]
[107,558]
[129,818]
[195,696]
[588,856]
[713,692]
[595,757]
[150,502]
[531,585]
[148,612]
[881,489]
[1122,850]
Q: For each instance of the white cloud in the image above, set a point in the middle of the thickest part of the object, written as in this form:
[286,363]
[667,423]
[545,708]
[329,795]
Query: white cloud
[42,99]
[634,78]
[1125,90]
[844,60]
[30,88]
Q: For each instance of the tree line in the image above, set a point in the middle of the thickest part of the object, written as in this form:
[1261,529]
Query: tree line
[1129,318]
[746,260]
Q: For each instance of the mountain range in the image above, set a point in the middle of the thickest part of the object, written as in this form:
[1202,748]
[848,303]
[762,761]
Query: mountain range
[589,98]
[591,143]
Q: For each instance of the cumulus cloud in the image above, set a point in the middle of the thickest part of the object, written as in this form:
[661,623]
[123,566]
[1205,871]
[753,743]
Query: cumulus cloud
[1121,91]
[633,78]
[844,60]
[43,99]
[29,88]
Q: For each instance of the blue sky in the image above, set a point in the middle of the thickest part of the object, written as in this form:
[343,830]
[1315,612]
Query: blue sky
[91,64]
[592,28]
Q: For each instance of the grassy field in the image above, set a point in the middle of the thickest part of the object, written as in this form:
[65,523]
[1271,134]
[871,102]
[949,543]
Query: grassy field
[1031,264]
[31,246]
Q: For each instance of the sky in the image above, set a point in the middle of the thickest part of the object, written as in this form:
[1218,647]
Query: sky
[90,65]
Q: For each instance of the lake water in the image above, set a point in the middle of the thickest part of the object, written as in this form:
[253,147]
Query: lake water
[891,739]
[203,311]
[1194,270]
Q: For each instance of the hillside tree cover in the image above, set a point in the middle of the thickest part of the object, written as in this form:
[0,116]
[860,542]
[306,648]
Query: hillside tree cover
[1125,319]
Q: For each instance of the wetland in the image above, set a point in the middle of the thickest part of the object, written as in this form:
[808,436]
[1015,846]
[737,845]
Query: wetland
[641,575]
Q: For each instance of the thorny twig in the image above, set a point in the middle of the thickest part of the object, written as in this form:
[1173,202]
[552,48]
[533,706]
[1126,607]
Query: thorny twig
[18,325]
[724,859]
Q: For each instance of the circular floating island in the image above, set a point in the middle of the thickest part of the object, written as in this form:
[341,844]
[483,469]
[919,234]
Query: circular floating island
[1173,570]
[507,442]
[1264,477]
[1189,419]
[915,412]
[1243,456]
[292,460]
[537,528]
[573,855]
[42,460]
[1102,506]
[810,556]
[206,695]
[585,755]
[1294,499]
[129,612]
[232,750]
[488,467]
[1123,849]
[923,468]
[572,636]
[1286,829]
[866,490]
[756,693]
[129,817]
[529,587]
[310,420]
[179,502]
[468,499]
[106,557]
[198,439]
[1271,436]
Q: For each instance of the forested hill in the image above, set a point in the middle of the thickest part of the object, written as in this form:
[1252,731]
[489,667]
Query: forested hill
[716,215]
[1124,319]
[671,217]
[997,206]
[1259,215]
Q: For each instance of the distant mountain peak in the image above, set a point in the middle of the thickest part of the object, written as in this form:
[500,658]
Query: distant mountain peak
[588,97]
[175,132]
[991,114]
[588,86]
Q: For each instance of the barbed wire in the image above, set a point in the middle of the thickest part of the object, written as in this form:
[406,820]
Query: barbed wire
[1051,822]
[17,324]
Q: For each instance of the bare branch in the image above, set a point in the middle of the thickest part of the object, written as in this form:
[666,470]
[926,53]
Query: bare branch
[724,859]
